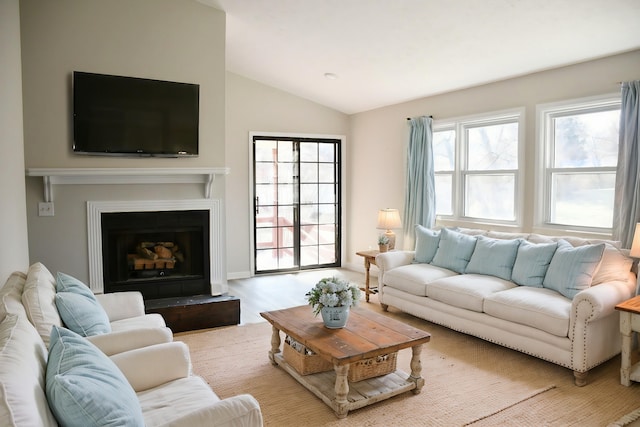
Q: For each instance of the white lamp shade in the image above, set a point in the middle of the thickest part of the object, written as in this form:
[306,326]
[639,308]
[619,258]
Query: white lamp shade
[635,246]
[389,219]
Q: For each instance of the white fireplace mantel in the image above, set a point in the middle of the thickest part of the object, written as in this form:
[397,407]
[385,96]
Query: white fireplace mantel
[62,176]
[95,209]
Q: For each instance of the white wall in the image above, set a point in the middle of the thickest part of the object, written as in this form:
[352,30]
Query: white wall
[14,251]
[378,136]
[176,40]
[252,106]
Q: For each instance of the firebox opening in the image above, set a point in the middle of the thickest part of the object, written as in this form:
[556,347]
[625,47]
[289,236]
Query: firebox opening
[161,254]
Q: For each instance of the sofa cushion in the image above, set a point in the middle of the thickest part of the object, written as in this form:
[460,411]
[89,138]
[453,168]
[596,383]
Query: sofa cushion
[426,243]
[493,257]
[616,265]
[78,307]
[532,262]
[506,235]
[413,278]
[85,388]
[572,269]
[82,315]
[38,298]
[539,308]
[23,358]
[454,250]
[467,291]
[11,295]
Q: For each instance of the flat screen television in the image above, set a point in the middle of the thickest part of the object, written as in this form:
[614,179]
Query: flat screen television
[129,116]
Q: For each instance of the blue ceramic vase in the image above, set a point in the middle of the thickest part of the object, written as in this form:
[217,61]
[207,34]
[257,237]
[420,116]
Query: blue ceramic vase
[335,317]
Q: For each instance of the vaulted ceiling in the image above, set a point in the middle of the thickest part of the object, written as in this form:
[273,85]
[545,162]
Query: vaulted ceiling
[382,52]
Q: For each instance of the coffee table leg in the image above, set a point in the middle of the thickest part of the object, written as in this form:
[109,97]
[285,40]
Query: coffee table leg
[275,345]
[341,389]
[416,369]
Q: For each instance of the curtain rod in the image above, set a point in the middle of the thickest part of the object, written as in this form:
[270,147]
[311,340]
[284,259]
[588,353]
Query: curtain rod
[409,118]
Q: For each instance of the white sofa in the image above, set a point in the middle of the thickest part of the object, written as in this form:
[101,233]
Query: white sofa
[562,312]
[68,375]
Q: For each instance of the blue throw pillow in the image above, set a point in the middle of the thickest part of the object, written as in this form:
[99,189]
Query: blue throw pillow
[454,250]
[532,263]
[85,388]
[572,269]
[78,307]
[66,283]
[84,316]
[493,257]
[426,244]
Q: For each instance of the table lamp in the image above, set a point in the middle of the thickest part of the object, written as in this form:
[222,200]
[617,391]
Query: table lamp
[387,220]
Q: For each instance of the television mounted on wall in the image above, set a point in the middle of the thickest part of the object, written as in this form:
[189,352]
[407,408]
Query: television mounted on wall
[129,116]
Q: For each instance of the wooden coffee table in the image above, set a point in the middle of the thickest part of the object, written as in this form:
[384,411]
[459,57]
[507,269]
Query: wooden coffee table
[366,335]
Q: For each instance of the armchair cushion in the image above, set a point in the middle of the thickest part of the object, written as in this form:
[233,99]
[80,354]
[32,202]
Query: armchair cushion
[122,305]
[191,402]
[85,388]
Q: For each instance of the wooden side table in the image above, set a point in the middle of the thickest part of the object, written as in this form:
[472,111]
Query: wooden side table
[629,323]
[369,258]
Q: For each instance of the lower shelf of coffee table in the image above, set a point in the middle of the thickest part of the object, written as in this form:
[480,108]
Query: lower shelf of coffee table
[361,393]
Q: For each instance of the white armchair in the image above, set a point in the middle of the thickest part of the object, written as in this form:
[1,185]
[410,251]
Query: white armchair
[130,327]
[170,395]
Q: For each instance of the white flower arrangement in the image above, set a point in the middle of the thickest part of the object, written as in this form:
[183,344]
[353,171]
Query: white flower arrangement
[332,292]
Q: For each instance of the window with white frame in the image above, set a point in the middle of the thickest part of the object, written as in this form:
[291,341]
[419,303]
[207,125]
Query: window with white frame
[476,162]
[579,142]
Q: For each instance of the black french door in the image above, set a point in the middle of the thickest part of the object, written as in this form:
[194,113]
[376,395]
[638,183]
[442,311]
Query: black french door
[296,191]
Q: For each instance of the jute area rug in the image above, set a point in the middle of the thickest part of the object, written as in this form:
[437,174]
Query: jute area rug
[468,382]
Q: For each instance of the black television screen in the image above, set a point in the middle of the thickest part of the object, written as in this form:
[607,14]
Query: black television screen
[128,116]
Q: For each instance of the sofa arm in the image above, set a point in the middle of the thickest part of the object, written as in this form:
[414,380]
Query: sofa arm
[122,305]
[121,341]
[388,260]
[600,300]
[155,365]
[241,410]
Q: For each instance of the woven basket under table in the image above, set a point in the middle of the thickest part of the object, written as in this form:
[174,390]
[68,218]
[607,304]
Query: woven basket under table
[305,364]
[373,367]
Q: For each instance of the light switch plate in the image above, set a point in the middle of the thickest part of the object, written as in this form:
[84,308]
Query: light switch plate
[45,209]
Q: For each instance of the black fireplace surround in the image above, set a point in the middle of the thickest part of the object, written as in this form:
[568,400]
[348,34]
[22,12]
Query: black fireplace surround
[160,254]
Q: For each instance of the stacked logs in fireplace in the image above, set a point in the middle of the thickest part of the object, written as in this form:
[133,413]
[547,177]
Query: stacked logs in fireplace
[155,256]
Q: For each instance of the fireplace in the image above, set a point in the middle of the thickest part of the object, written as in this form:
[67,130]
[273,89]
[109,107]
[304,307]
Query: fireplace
[191,263]
[160,254]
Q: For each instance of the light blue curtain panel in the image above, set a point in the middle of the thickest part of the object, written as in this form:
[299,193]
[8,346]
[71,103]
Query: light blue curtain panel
[420,198]
[626,211]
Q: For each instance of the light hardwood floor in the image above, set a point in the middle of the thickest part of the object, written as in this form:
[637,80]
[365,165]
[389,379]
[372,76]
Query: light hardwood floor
[277,291]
